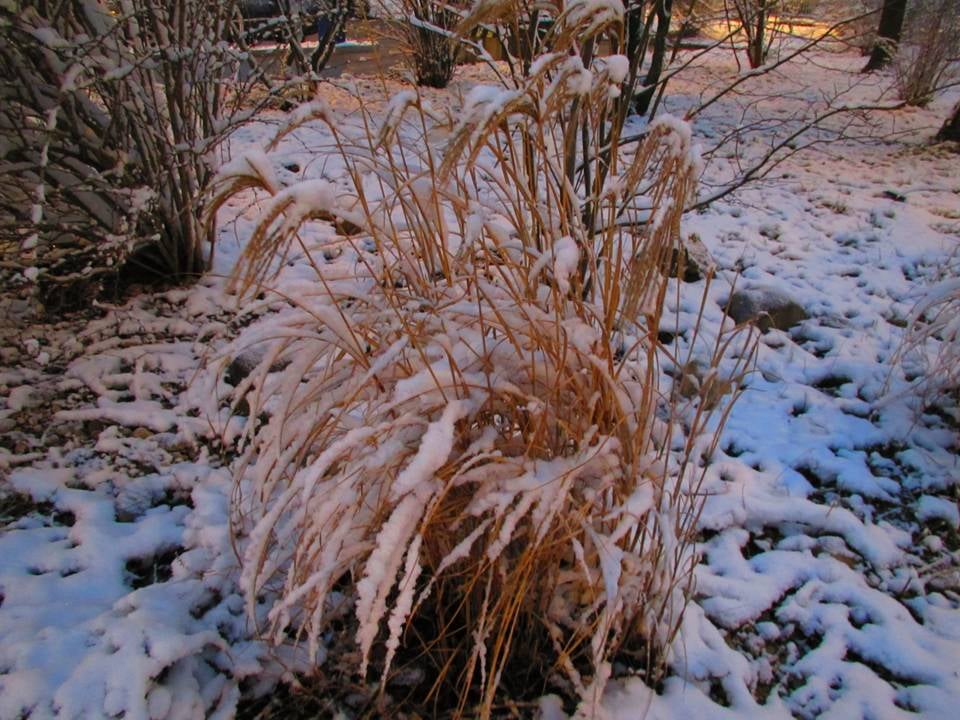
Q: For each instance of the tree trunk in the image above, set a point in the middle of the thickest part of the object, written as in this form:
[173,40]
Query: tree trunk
[756,52]
[951,128]
[330,25]
[888,34]
[642,100]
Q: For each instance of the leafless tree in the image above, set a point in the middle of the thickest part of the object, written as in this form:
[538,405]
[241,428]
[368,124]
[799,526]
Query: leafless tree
[754,17]
[888,34]
[662,10]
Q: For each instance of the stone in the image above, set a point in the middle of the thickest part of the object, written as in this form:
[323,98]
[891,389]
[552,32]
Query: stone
[691,260]
[246,362]
[242,365]
[767,307]
[346,228]
[698,381]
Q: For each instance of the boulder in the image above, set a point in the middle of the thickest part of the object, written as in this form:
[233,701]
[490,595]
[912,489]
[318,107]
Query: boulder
[767,307]
[691,260]
[695,380]
[243,364]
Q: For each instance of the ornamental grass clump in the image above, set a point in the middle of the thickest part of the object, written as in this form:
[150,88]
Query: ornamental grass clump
[464,435]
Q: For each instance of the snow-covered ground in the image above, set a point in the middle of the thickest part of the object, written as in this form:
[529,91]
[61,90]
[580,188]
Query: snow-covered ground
[829,583]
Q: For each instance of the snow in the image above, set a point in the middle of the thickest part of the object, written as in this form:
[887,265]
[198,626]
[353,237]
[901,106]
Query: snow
[484,102]
[588,16]
[255,161]
[381,568]
[930,508]
[566,258]
[617,68]
[435,447]
[611,557]
[77,640]
[681,140]
[823,585]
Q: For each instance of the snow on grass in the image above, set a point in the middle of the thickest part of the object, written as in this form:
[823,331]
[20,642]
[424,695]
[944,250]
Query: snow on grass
[824,587]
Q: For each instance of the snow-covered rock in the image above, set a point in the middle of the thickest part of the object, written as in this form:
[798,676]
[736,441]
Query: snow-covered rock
[767,306]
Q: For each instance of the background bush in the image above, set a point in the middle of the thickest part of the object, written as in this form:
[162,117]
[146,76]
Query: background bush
[112,115]
[927,54]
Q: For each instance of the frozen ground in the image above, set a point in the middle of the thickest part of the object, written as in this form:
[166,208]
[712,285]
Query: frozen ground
[829,583]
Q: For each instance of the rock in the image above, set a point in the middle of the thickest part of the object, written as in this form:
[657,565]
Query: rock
[703,382]
[691,261]
[246,362]
[771,231]
[767,307]
[341,226]
[242,365]
[346,228]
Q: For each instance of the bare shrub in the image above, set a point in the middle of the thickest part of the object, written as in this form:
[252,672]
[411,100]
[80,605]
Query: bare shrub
[287,21]
[434,51]
[468,437]
[929,50]
[111,117]
[426,29]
